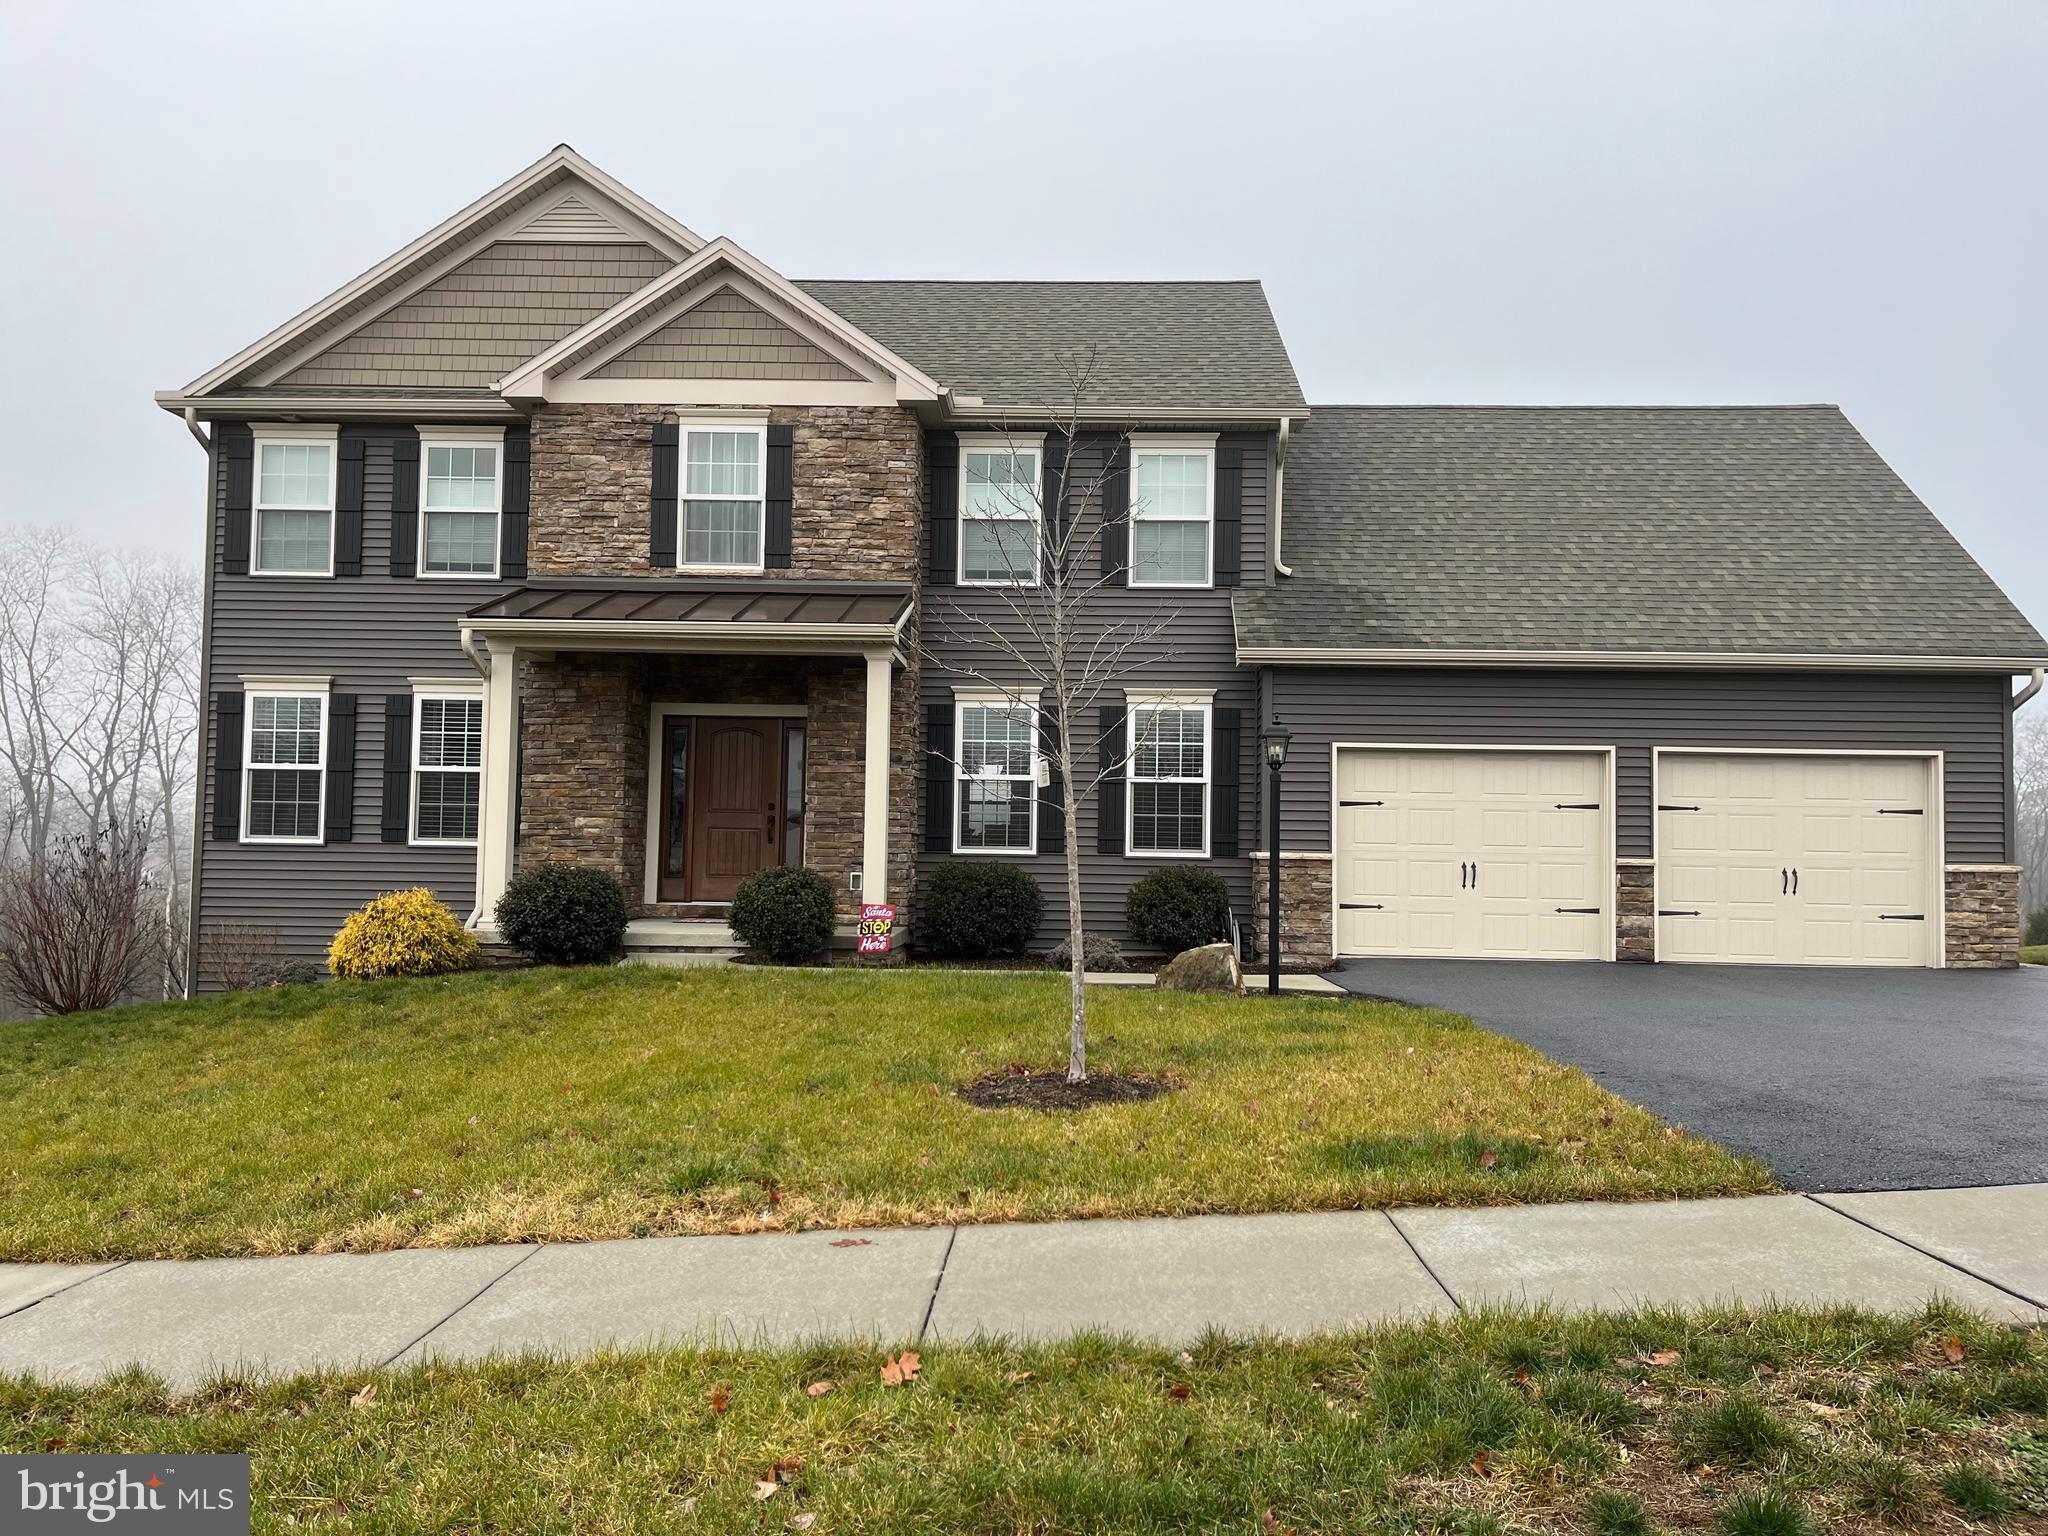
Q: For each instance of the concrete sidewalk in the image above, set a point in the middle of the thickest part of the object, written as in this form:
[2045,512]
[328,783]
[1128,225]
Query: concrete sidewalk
[1165,1280]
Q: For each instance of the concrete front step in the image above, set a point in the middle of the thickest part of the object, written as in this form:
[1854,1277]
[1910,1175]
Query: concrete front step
[668,940]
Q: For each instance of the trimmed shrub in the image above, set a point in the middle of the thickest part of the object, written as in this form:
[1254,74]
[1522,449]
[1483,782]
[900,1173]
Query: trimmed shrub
[563,914]
[1177,909]
[783,914]
[405,933]
[978,910]
[287,973]
[1097,954]
[2037,928]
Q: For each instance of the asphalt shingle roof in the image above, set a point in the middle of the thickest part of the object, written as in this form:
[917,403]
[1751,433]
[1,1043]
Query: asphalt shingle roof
[1203,348]
[1744,530]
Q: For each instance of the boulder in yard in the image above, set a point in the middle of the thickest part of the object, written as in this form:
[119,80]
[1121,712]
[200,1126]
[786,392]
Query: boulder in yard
[1212,968]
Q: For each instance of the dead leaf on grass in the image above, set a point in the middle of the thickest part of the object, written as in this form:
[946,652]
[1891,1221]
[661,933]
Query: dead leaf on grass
[719,1397]
[1488,1158]
[764,1488]
[820,1388]
[804,1521]
[365,1396]
[901,1370]
[1951,1349]
[1015,1378]
[788,1467]
[1271,1525]
[1482,1464]
[1180,1392]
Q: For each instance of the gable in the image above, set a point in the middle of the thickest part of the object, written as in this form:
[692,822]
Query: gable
[725,336]
[572,218]
[485,317]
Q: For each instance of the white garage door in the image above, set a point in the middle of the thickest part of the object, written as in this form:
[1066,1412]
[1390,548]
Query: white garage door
[1796,860]
[1473,852]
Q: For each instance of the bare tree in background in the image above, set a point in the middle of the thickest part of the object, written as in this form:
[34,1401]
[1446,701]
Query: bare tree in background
[2030,781]
[1045,639]
[75,933]
[99,717]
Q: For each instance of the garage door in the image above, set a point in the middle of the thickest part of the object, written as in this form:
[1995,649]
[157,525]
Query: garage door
[1795,860]
[1471,852]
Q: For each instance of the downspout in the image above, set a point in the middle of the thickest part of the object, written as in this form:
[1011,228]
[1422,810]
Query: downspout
[476,658]
[2033,687]
[205,692]
[1279,486]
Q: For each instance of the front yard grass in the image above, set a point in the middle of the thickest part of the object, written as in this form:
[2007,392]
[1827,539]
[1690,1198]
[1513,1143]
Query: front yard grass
[2033,954]
[1776,1423]
[620,1101]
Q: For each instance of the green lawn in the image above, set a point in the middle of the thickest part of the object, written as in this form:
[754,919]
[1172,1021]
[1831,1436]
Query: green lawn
[1757,1424]
[2036,954]
[558,1104]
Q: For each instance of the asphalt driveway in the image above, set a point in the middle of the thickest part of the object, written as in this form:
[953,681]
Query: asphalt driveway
[1838,1079]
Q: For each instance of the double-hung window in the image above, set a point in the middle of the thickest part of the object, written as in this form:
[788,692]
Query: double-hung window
[294,505]
[995,777]
[999,511]
[447,766]
[723,499]
[1172,511]
[284,775]
[459,512]
[1169,778]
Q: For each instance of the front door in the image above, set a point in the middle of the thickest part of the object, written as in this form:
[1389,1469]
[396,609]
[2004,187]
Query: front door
[726,800]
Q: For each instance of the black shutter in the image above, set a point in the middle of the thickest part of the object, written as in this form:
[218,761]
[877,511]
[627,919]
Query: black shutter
[1226,744]
[942,509]
[397,767]
[938,778]
[348,504]
[227,767]
[661,535]
[1116,524]
[237,450]
[1052,502]
[515,497]
[1109,808]
[776,536]
[405,504]
[341,767]
[1229,552]
[1052,799]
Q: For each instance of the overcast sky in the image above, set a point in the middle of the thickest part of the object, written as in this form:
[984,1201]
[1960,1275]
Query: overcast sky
[1549,203]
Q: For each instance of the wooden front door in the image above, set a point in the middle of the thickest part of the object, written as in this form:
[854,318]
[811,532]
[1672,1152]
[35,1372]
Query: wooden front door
[730,803]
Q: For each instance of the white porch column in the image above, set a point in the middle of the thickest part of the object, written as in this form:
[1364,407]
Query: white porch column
[874,829]
[496,829]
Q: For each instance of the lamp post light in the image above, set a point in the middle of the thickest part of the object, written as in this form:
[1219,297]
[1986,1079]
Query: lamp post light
[1274,738]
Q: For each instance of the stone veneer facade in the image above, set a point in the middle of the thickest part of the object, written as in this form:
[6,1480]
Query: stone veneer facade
[856,515]
[1306,941]
[1635,910]
[856,511]
[1983,916]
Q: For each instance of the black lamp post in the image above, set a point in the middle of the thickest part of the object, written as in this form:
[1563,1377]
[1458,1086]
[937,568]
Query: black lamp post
[1274,738]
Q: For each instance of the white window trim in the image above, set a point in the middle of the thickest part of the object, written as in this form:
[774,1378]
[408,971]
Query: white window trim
[425,688]
[758,425]
[292,432]
[1016,445]
[992,700]
[1195,701]
[463,437]
[255,688]
[1202,445]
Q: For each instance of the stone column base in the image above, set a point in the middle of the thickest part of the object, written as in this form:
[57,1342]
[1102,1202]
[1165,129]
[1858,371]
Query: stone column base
[1635,909]
[1305,887]
[1983,916]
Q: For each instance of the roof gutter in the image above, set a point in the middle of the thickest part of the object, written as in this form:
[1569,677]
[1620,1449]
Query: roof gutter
[2033,687]
[1327,656]
[1279,489]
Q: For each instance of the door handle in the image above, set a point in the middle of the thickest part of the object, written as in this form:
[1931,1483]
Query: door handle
[1464,874]
[1795,882]
[1784,882]
[1475,874]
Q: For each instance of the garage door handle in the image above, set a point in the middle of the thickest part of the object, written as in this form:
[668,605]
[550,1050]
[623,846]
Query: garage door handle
[1677,807]
[1360,906]
[1589,911]
[1784,882]
[1464,875]
[1664,912]
[1883,812]
[1902,917]
[1586,805]
[1795,882]
[1475,874]
[1346,804]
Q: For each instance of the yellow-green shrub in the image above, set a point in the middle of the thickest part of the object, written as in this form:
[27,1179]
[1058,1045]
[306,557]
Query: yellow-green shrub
[404,933]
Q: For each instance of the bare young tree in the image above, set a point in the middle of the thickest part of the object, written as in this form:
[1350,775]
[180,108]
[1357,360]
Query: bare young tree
[2030,784]
[1037,632]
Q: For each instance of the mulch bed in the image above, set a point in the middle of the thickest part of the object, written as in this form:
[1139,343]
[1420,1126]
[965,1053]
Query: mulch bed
[1047,1091]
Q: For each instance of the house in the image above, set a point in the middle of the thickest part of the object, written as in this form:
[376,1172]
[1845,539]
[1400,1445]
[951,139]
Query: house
[566,533]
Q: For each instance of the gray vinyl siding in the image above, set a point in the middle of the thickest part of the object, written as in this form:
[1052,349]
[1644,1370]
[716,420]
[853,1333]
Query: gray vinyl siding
[370,634]
[1197,652]
[1963,716]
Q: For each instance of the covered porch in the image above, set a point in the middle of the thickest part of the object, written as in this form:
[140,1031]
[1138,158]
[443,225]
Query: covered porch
[683,734]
